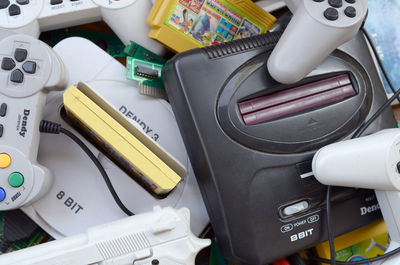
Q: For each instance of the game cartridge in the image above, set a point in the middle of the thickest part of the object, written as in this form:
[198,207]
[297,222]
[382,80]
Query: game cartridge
[128,146]
[186,24]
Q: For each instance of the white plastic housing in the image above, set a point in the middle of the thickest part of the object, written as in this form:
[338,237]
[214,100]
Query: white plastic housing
[270,5]
[292,5]
[310,37]
[389,202]
[129,23]
[126,18]
[367,162]
[162,235]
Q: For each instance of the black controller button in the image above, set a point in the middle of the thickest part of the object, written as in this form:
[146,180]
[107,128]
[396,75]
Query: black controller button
[23,2]
[335,3]
[3,109]
[56,2]
[7,64]
[14,10]
[4,4]
[331,14]
[351,1]
[17,76]
[20,55]
[350,11]
[318,0]
[1,130]
[29,67]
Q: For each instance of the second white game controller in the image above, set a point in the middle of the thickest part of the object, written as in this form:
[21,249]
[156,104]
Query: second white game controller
[370,162]
[127,18]
[28,70]
[317,28]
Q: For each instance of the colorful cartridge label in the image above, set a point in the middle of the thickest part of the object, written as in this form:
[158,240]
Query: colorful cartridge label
[208,22]
[367,249]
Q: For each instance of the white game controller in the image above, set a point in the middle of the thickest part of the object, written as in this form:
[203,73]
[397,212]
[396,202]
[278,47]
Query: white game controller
[127,18]
[28,70]
[79,198]
[317,28]
[370,162]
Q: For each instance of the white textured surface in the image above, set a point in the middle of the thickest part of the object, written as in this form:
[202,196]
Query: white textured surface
[76,175]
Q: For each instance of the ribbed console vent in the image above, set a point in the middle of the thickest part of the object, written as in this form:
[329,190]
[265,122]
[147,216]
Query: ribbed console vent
[269,40]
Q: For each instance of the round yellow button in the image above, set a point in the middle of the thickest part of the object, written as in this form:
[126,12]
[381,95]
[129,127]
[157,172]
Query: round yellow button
[5,160]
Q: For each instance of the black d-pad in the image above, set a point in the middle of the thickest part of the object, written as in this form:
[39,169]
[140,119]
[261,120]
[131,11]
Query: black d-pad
[20,55]
[17,76]
[29,67]
[14,10]
[23,2]
[7,64]
[4,4]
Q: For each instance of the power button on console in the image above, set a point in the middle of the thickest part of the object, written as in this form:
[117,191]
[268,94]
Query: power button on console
[296,208]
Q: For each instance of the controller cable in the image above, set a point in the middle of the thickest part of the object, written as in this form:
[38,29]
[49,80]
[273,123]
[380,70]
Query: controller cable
[357,134]
[379,60]
[55,128]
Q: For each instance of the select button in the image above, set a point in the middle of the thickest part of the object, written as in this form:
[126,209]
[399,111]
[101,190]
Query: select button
[16,179]
[3,109]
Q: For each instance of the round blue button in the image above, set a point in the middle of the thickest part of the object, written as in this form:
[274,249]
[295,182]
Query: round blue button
[2,194]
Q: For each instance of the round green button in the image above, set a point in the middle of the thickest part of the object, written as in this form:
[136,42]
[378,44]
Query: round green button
[16,179]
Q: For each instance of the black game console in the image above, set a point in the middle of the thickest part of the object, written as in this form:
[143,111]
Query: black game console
[251,141]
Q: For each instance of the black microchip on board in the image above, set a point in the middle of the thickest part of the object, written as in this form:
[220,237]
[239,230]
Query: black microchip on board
[146,72]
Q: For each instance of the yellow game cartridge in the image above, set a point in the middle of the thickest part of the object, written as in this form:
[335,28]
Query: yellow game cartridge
[130,148]
[363,243]
[186,24]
